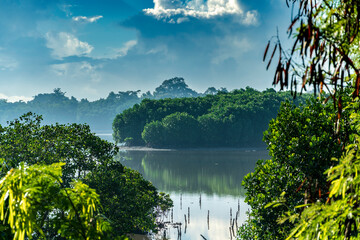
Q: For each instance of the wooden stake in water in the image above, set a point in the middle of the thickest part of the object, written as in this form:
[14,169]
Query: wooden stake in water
[185,222]
[181,201]
[230,216]
[200,201]
[180,231]
[237,216]
[233,228]
[236,219]
[208,219]
[185,225]
[172,215]
[188,215]
[203,237]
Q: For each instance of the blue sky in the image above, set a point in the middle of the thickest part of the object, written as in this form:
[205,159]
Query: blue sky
[89,48]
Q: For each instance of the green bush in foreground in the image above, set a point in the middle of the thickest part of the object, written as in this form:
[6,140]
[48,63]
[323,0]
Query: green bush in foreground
[339,216]
[301,144]
[128,201]
[28,192]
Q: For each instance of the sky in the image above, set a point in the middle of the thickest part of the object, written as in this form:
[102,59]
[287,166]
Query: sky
[89,48]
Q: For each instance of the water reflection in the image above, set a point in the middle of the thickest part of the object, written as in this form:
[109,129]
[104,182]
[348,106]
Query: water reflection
[216,172]
[205,186]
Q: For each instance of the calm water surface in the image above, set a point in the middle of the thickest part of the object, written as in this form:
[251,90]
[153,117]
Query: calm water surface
[205,186]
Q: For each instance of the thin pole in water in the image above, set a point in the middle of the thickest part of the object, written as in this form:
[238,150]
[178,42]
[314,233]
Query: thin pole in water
[208,219]
[188,215]
[200,201]
[181,201]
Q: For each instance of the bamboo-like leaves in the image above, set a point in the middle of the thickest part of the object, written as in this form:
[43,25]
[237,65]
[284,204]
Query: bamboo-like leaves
[266,50]
[338,217]
[30,190]
[325,32]
[272,55]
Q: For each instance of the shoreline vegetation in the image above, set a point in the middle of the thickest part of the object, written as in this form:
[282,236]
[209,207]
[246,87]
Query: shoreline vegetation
[234,119]
[98,114]
[149,149]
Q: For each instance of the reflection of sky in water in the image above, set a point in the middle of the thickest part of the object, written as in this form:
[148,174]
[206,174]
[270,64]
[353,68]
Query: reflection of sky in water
[216,174]
[219,217]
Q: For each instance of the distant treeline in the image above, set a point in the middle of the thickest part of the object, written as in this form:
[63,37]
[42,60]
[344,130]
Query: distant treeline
[99,114]
[235,119]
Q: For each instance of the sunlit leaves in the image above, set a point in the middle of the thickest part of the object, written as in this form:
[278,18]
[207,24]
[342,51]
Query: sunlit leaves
[30,190]
[339,216]
[27,140]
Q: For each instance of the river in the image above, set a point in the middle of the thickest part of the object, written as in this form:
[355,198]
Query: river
[205,186]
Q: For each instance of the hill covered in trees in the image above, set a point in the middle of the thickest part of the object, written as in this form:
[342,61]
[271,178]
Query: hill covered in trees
[99,114]
[235,119]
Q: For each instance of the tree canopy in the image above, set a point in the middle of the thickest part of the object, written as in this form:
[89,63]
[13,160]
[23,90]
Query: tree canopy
[98,114]
[235,119]
[324,57]
[85,160]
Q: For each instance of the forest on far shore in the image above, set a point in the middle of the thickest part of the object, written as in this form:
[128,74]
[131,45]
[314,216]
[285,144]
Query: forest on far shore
[56,107]
[226,119]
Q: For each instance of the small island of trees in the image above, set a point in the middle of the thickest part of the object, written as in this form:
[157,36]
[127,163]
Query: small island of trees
[226,119]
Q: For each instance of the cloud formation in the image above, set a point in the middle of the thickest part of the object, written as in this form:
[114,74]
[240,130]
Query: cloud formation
[77,70]
[15,98]
[124,50]
[177,11]
[7,63]
[65,45]
[87,19]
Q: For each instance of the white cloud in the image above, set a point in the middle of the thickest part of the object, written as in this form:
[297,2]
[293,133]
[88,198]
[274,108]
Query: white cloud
[113,53]
[167,9]
[87,19]
[65,45]
[182,19]
[66,9]
[7,63]
[127,46]
[250,18]
[77,71]
[15,98]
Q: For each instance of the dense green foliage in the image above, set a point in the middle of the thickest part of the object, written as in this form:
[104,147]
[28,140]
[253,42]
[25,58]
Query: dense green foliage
[89,159]
[30,193]
[129,201]
[325,55]
[26,140]
[339,218]
[235,119]
[301,143]
[99,114]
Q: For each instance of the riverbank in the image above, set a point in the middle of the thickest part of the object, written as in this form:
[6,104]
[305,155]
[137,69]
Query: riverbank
[149,149]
